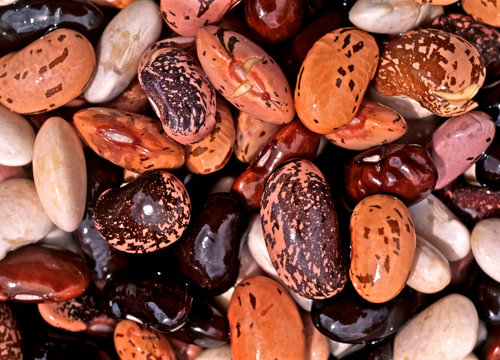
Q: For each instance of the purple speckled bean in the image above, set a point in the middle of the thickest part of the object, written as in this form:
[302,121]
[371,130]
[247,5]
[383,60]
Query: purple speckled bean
[180,94]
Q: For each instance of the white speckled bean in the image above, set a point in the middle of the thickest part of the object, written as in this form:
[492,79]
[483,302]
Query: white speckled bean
[391,16]
[23,219]
[120,48]
[430,272]
[446,330]
[438,225]
[16,139]
[485,243]
[60,173]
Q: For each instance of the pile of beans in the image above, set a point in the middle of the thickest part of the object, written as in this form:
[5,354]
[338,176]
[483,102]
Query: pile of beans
[255,179]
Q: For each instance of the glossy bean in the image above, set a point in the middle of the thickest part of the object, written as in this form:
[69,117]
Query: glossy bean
[405,171]
[146,215]
[300,226]
[25,21]
[155,301]
[291,140]
[274,21]
[374,124]
[208,253]
[383,245]
[35,273]
[132,141]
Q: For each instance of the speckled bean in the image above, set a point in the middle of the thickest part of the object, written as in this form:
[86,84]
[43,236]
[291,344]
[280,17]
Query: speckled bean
[245,74]
[46,74]
[382,247]
[440,70]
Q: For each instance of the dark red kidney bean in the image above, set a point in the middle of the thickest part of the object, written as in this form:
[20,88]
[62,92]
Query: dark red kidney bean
[486,296]
[405,171]
[291,140]
[348,318]
[145,215]
[273,21]
[488,167]
[10,334]
[205,327]
[155,301]
[209,253]
[37,273]
[56,346]
[470,203]
[485,38]
[491,347]
[102,259]
[25,21]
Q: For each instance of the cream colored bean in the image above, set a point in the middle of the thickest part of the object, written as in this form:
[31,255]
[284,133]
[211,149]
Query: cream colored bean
[60,173]
[485,243]
[16,139]
[431,271]
[438,225]
[446,330]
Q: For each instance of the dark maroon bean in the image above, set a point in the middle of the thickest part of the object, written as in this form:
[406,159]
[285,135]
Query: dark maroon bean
[155,301]
[36,273]
[146,215]
[10,335]
[485,38]
[463,273]
[56,346]
[205,327]
[25,21]
[348,318]
[274,21]
[488,167]
[486,295]
[470,203]
[491,347]
[103,260]
[291,140]
[209,253]
[405,171]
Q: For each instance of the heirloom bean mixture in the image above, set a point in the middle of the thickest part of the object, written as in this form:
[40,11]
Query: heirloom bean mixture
[250,179]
